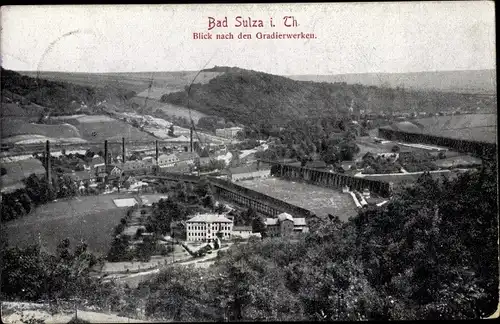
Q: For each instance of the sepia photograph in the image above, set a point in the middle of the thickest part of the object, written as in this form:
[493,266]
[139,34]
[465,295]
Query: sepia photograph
[248,162]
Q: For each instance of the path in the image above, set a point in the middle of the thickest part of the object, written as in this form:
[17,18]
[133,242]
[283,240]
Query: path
[361,175]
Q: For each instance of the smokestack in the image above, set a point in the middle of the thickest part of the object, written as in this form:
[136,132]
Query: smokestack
[191,138]
[48,173]
[123,149]
[157,151]
[106,153]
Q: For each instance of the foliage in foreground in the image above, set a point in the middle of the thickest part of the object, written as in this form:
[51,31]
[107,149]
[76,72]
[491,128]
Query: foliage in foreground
[429,254]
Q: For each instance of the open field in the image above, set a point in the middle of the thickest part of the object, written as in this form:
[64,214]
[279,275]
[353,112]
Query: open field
[17,171]
[474,127]
[90,219]
[366,144]
[15,110]
[169,109]
[13,127]
[18,312]
[100,128]
[319,200]
[461,160]
[410,178]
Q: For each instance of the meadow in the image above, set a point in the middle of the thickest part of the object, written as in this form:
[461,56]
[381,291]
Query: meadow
[475,127]
[90,219]
[99,128]
[319,200]
[14,126]
[169,109]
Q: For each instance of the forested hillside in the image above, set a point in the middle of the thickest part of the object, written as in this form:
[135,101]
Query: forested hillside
[257,98]
[58,97]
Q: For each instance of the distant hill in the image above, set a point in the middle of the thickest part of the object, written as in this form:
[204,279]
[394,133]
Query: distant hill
[58,97]
[138,82]
[257,98]
[473,81]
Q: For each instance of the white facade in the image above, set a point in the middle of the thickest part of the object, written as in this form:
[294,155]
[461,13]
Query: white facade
[228,132]
[169,160]
[206,226]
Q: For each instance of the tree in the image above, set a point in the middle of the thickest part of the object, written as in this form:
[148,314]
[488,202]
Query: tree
[208,201]
[220,208]
[395,149]
[119,250]
[146,249]
[259,226]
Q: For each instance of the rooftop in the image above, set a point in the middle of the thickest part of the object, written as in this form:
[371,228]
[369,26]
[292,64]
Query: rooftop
[242,228]
[247,169]
[209,218]
[186,155]
[282,217]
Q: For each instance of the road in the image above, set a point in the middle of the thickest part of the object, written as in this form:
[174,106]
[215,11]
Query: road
[361,175]
[134,279]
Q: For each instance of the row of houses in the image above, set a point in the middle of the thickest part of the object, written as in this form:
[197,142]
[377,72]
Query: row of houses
[205,227]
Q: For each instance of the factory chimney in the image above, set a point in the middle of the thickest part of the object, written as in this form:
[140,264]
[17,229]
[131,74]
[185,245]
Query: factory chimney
[106,153]
[191,138]
[157,152]
[48,167]
[123,149]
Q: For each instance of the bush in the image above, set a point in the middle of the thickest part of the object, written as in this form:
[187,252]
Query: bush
[138,233]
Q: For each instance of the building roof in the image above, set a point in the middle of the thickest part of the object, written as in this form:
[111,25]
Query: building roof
[271,221]
[186,155]
[209,218]
[167,156]
[316,164]
[299,222]
[242,228]
[230,128]
[285,216]
[181,138]
[81,175]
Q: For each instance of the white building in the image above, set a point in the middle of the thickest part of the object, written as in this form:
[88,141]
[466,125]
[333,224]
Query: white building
[228,132]
[204,227]
[167,160]
[244,232]
[248,172]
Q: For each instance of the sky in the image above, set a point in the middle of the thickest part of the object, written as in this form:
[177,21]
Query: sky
[350,37]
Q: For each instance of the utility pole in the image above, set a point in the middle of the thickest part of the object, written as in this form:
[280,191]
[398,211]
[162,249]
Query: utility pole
[191,137]
[123,149]
[47,163]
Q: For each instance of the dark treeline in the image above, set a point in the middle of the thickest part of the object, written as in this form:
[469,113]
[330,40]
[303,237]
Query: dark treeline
[431,253]
[250,97]
[36,192]
[331,140]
